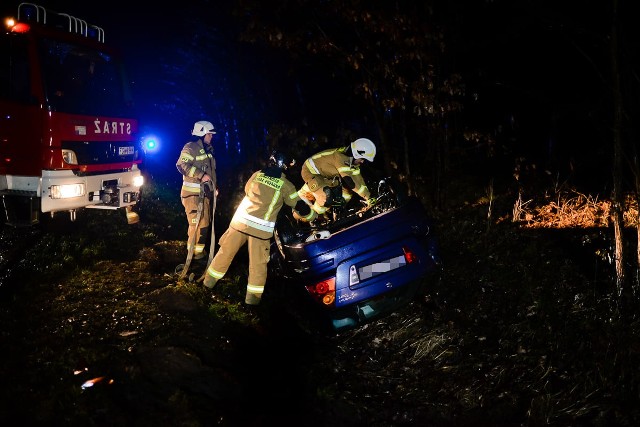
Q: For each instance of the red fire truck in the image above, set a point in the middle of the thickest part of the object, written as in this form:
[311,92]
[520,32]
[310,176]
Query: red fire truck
[68,140]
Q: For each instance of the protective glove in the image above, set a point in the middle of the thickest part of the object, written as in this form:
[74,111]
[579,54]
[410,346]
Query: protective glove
[208,189]
[371,201]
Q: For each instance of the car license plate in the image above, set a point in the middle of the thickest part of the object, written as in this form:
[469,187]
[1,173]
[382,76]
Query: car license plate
[372,270]
[123,151]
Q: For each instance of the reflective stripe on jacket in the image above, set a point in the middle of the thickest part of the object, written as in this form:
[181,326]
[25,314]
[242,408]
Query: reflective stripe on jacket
[264,196]
[196,159]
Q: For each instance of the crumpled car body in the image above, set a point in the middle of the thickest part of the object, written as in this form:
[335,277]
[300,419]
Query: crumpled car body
[356,270]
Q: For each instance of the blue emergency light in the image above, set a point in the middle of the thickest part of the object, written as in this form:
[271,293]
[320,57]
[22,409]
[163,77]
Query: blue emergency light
[150,144]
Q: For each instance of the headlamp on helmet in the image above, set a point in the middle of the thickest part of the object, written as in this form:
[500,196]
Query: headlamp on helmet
[280,160]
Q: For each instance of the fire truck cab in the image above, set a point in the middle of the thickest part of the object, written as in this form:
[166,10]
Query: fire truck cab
[68,138]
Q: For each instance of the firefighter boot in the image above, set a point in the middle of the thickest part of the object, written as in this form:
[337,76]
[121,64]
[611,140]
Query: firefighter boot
[252,299]
[210,282]
[200,255]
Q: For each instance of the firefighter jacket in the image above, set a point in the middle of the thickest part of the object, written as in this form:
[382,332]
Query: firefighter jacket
[329,164]
[264,196]
[196,159]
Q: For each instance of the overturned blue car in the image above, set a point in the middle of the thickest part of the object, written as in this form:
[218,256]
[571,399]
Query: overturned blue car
[361,265]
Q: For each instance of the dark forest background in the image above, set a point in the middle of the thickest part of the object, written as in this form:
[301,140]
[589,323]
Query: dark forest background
[491,85]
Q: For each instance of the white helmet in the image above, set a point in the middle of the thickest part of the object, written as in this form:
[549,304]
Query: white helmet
[202,128]
[363,148]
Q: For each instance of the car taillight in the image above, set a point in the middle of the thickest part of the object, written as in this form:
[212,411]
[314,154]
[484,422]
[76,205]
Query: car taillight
[409,256]
[324,291]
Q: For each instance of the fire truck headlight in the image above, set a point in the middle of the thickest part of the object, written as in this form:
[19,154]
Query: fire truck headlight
[138,181]
[67,191]
[69,157]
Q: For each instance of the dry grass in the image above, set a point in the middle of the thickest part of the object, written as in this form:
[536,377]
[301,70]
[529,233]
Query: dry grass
[572,210]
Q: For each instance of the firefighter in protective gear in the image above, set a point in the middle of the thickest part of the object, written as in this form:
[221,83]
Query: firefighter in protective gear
[197,165]
[328,168]
[253,223]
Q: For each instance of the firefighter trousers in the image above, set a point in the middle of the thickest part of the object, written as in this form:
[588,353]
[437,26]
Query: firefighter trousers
[259,249]
[197,231]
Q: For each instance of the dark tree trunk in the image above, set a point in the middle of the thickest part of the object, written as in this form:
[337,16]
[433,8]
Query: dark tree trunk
[636,283]
[407,159]
[618,225]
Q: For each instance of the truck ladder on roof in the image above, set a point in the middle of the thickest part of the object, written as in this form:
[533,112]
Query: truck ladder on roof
[76,25]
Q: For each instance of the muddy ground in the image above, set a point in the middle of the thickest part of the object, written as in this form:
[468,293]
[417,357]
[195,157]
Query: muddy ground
[521,329]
